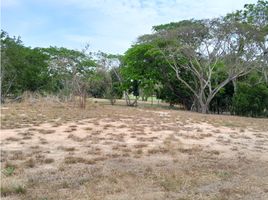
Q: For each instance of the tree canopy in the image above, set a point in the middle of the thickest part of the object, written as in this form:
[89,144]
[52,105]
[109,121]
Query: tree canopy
[206,65]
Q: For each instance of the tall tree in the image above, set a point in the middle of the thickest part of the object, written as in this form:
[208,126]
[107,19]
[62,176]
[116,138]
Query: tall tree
[70,70]
[110,81]
[22,68]
[203,48]
[145,63]
[256,17]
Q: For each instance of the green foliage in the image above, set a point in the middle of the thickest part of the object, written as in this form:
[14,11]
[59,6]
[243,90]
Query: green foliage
[8,171]
[12,189]
[140,63]
[140,69]
[251,100]
[176,25]
[19,189]
[104,82]
[99,83]
[222,101]
[144,63]
[22,68]
[51,70]
[191,62]
[256,14]
[68,68]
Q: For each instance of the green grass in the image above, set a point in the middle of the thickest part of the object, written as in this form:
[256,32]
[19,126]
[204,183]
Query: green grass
[8,171]
[12,189]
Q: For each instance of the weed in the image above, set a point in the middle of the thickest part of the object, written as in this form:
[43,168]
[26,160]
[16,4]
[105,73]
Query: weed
[9,189]
[8,171]
[224,175]
[19,189]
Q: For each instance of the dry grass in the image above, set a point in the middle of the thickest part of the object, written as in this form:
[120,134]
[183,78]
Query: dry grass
[12,188]
[13,139]
[66,148]
[43,131]
[48,160]
[30,163]
[57,151]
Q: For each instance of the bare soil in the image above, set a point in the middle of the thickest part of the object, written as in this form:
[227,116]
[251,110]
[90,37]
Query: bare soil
[57,151]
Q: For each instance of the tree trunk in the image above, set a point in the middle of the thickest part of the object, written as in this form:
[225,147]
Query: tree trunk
[235,85]
[127,98]
[204,108]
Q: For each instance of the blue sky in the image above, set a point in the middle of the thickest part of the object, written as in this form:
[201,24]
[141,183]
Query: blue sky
[107,25]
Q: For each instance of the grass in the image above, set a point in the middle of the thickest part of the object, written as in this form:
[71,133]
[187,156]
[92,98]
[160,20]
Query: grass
[224,175]
[44,131]
[17,155]
[171,183]
[74,160]
[116,152]
[30,163]
[67,148]
[8,171]
[10,188]
[13,139]
[48,160]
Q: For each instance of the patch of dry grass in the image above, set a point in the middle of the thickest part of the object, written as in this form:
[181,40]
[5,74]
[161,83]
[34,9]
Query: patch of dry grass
[75,160]
[46,131]
[13,139]
[131,153]
[9,187]
[30,163]
[66,148]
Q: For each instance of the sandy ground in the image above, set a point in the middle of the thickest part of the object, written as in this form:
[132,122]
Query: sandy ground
[115,152]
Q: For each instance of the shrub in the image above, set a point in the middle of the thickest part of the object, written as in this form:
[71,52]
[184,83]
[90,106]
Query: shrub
[251,100]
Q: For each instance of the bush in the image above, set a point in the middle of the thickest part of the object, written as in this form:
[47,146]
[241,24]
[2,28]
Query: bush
[251,100]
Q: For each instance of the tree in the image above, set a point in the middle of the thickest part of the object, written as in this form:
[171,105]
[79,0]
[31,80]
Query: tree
[251,100]
[207,57]
[114,64]
[203,48]
[99,83]
[22,68]
[256,16]
[110,81]
[145,63]
[70,71]
[140,70]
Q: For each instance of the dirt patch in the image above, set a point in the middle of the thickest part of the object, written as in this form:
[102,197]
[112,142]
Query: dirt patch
[116,152]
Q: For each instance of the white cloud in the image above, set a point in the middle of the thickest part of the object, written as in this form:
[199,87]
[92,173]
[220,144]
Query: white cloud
[140,15]
[127,19]
[119,22]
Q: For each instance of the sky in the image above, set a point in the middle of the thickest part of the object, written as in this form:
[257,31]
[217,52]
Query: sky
[111,26]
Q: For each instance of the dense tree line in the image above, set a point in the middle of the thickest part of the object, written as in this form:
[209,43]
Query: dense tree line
[215,65]
[212,65]
[61,71]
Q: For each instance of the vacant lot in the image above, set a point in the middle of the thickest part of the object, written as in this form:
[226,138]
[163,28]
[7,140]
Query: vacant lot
[56,151]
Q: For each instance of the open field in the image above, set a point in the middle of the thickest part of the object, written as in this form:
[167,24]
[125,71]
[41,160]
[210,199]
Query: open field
[56,151]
